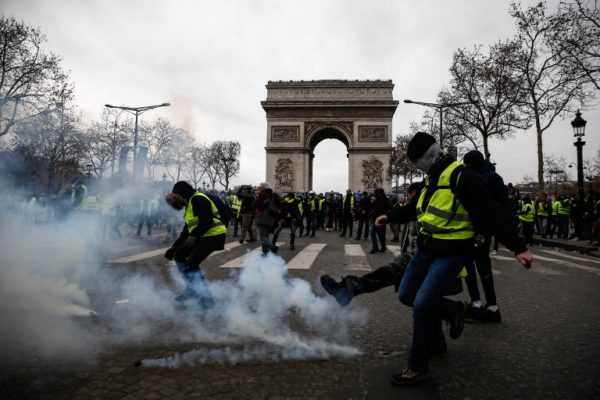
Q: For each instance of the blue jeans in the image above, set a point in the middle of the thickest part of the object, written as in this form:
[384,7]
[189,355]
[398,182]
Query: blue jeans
[263,234]
[426,279]
[377,233]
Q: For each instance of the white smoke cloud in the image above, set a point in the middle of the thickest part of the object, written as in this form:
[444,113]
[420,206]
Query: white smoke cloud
[59,299]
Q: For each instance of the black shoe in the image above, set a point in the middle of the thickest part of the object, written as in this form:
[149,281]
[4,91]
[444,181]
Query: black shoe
[292,247]
[274,249]
[474,312]
[374,250]
[340,290]
[491,316]
[383,249]
[409,377]
[241,241]
[458,320]
[251,241]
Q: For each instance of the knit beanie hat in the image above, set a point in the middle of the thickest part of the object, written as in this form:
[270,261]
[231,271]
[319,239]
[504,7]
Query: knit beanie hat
[418,145]
[474,158]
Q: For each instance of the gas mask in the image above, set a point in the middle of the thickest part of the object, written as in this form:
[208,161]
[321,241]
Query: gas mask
[429,158]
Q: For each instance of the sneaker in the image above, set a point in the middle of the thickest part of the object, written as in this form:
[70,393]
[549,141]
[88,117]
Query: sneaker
[409,377]
[241,241]
[374,250]
[383,249]
[458,320]
[274,249]
[491,316]
[340,290]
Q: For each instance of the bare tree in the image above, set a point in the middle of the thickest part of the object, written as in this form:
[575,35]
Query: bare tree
[210,165]
[175,156]
[227,156]
[553,86]
[490,85]
[28,75]
[102,140]
[581,38]
[192,166]
[157,137]
[54,137]
[400,165]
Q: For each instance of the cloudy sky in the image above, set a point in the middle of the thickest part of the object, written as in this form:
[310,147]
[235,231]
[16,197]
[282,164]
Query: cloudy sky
[212,59]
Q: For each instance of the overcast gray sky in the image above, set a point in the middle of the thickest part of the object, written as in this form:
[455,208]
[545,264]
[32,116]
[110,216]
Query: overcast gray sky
[212,59]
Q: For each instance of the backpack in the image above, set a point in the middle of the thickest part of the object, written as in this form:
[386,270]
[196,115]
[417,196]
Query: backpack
[224,211]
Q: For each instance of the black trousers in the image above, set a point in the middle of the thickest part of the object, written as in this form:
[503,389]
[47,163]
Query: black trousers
[195,250]
[483,265]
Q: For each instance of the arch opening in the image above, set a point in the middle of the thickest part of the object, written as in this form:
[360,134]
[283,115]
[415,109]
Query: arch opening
[329,169]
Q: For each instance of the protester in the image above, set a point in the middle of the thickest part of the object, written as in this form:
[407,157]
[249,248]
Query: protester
[452,201]
[267,215]
[202,234]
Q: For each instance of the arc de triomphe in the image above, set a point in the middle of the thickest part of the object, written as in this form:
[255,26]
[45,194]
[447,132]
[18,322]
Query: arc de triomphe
[300,114]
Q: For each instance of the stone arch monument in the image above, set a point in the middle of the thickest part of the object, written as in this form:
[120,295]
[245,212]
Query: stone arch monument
[300,114]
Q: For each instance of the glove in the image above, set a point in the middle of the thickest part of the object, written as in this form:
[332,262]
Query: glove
[169,253]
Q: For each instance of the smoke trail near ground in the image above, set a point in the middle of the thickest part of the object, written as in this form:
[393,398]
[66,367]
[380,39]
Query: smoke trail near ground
[59,299]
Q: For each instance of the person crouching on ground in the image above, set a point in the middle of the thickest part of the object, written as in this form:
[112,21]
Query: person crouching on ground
[202,234]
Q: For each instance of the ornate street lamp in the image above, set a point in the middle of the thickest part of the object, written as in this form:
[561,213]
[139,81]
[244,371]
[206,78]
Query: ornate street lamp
[578,125]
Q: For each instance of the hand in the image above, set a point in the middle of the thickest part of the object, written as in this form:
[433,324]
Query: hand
[169,253]
[525,258]
[381,221]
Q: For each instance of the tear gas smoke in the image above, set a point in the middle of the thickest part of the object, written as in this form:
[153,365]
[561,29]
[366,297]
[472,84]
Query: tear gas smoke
[59,299]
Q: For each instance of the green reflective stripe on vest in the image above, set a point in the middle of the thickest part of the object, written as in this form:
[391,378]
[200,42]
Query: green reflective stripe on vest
[191,221]
[564,207]
[445,217]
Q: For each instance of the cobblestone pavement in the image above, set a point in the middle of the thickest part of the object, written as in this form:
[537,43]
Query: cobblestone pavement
[546,347]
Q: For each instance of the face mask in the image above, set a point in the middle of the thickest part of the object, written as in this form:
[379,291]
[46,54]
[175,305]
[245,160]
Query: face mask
[427,160]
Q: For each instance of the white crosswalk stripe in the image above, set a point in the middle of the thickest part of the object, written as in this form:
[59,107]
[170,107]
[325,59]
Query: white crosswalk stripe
[305,258]
[563,263]
[239,261]
[396,250]
[570,257]
[157,252]
[355,258]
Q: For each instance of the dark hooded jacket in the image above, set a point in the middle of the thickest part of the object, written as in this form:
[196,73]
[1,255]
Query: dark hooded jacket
[482,207]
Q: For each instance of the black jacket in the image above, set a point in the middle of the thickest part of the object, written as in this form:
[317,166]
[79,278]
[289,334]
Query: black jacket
[484,211]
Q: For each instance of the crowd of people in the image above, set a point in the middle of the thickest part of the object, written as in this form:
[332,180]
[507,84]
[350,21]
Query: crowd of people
[444,226]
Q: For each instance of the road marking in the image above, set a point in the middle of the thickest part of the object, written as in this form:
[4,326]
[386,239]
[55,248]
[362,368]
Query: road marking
[239,261]
[355,258]
[157,252]
[566,264]
[558,253]
[306,258]
[354,250]
[396,250]
[502,258]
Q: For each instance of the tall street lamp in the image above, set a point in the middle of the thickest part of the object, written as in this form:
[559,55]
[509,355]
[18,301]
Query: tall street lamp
[578,125]
[440,107]
[137,111]
[556,172]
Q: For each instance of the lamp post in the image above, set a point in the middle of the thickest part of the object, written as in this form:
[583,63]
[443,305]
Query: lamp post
[555,172]
[578,125]
[204,186]
[440,107]
[137,111]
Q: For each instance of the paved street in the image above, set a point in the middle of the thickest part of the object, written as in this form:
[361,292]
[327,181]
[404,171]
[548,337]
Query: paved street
[546,347]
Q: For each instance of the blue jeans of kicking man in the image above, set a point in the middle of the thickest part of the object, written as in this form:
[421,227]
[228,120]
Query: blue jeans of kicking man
[426,279]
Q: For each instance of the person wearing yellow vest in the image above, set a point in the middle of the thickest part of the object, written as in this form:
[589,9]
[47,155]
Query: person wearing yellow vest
[348,205]
[543,209]
[203,233]
[450,204]
[290,215]
[564,210]
[526,216]
[391,275]
[235,203]
[554,218]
